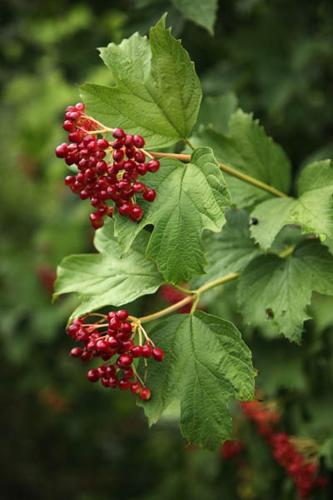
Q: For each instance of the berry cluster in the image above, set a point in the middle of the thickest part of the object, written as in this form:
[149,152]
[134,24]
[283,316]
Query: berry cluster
[115,337]
[304,472]
[107,171]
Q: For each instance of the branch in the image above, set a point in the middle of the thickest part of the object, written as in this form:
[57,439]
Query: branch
[229,170]
[193,296]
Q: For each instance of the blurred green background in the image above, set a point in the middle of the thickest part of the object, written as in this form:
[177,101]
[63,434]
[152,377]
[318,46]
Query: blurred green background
[61,437]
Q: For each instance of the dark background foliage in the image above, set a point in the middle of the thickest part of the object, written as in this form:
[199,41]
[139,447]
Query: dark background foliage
[60,437]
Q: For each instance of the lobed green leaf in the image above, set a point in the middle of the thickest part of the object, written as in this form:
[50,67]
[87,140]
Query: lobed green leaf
[247,148]
[278,291]
[155,90]
[206,365]
[190,198]
[113,277]
[312,211]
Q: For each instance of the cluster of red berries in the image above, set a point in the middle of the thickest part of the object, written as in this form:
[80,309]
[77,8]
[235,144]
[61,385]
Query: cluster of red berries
[303,472]
[108,171]
[113,338]
[262,415]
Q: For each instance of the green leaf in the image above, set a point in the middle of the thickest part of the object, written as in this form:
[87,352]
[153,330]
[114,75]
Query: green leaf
[205,366]
[248,149]
[155,91]
[201,13]
[191,197]
[109,278]
[312,210]
[231,249]
[278,291]
[215,111]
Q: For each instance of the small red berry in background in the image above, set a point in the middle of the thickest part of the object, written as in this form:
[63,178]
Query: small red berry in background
[108,171]
[170,294]
[231,449]
[47,276]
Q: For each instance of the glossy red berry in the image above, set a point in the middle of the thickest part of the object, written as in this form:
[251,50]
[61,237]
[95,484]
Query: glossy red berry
[135,387]
[124,384]
[93,375]
[138,141]
[153,165]
[145,394]
[136,213]
[137,351]
[125,360]
[147,351]
[76,352]
[158,354]
[122,314]
[61,150]
[96,221]
[149,195]
[118,133]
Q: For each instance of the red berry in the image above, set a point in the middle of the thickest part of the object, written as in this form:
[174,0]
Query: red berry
[158,354]
[80,106]
[124,384]
[138,141]
[147,351]
[153,165]
[142,168]
[96,221]
[125,360]
[114,322]
[69,180]
[129,140]
[118,155]
[86,356]
[118,133]
[74,136]
[113,342]
[139,156]
[149,195]
[61,150]
[113,382]
[69,126]
[122,314]
[138,187]
[126,327]
[136,351]
[101,345]
[125,209]
[105,382]
[135,387]
[76,352]
[102,143]
[136,213]
[93,375]
[145,394]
